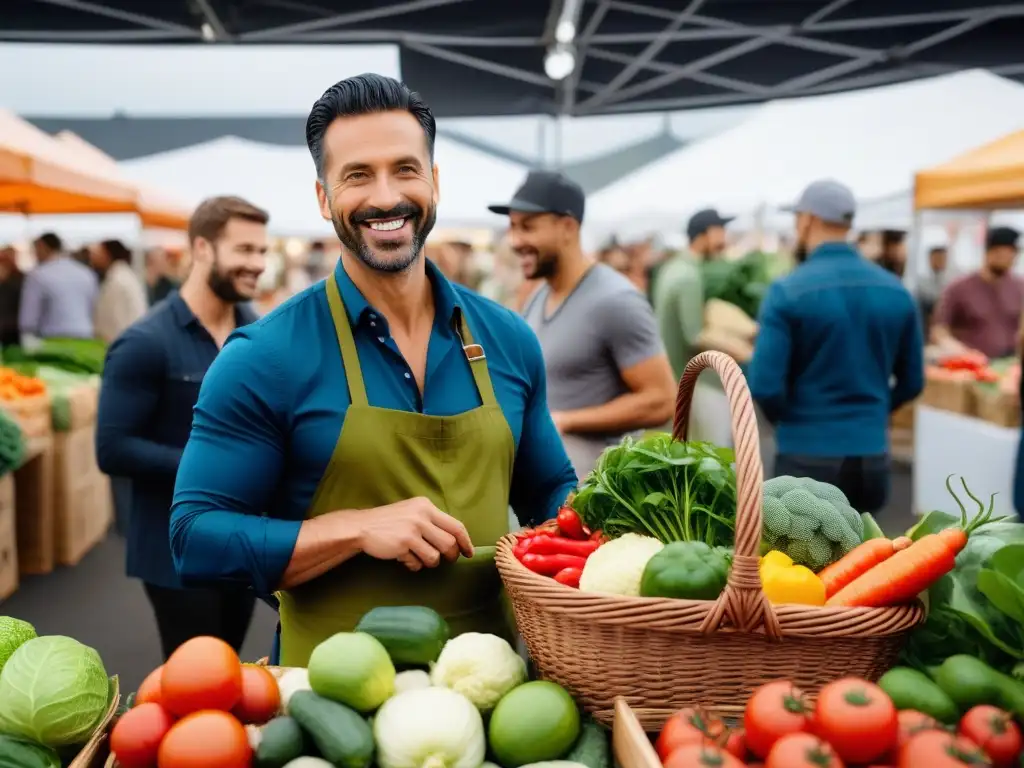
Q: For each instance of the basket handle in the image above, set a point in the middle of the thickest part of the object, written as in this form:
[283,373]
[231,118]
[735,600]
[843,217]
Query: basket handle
[743,600]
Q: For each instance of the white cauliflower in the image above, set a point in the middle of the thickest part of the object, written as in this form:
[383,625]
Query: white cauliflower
[618,566]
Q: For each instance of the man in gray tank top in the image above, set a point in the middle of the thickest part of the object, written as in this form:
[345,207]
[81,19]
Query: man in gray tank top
[607,372]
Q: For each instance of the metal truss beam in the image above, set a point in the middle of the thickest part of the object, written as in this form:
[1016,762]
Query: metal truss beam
[98,9]
[341,19]
[210,16]
[568,88]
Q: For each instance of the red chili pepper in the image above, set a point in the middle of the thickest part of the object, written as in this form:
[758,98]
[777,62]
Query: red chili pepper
[549,565]
[521,548]
[598,536]
[569,576]
[556,545]
[529,533]
[569,523]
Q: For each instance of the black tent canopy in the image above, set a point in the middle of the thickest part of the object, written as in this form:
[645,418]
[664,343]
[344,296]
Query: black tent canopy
[486,57]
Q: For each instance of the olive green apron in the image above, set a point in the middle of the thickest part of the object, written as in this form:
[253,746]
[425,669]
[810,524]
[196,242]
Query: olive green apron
[463,464]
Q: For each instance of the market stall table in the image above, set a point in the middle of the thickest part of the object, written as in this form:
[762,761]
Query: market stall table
[983,453]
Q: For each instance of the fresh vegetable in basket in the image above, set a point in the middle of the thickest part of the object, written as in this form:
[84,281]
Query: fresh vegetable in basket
[783,581]
[689,570]
[617,568]
[662,488]
[859,561]
[812,522]
[911,571]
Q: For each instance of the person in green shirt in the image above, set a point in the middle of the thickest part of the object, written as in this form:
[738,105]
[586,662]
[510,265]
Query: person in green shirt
[678,299]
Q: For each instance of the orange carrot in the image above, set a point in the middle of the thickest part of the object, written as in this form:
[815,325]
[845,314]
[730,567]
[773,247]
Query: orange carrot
[911,571]
[859,561]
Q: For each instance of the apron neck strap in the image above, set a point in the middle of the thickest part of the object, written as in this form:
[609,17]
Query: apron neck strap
[354,372]
[476,357]
[347,343]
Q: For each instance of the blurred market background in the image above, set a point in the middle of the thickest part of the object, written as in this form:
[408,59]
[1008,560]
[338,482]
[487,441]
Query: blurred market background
[118,117]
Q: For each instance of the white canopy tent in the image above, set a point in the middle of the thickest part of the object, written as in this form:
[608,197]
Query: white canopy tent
[872,140]
[282,180]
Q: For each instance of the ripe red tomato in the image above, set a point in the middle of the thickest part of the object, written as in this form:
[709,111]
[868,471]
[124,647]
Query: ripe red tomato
[206,739]
[688,726]
[697,755]
[938,749]
[204,673]
[261,698]
[150,688]
[802,750]
[137,734]
[736,744]
[994,731]
[911,723]
[773,711]
[857,718]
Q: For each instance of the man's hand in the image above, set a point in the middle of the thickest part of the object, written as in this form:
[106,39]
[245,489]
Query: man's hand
[413,532]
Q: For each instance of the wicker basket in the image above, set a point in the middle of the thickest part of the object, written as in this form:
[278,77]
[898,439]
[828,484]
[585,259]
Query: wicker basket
[661,654]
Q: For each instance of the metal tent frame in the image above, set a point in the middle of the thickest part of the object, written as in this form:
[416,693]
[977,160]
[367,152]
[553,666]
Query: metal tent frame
[486,57]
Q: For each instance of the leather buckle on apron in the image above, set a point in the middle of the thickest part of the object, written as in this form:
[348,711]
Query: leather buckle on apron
[473,352]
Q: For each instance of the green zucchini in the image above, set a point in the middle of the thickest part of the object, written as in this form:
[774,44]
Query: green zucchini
[281,741]
[19,753]
[412,634]
[591,748]
[340,734]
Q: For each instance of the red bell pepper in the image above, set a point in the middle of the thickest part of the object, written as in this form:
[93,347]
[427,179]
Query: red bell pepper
[556,545]
[569,576]
[549,565]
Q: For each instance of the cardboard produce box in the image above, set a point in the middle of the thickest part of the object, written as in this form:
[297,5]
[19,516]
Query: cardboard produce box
[83,506]
[8,538]
[999,408]
[33,487]
[32,414]
[949,391]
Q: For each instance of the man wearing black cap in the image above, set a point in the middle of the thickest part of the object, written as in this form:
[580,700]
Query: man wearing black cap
[607,373]
[982,311]
[678,299]
[834,335]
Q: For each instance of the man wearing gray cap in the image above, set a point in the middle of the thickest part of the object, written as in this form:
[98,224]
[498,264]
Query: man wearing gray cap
[835,334]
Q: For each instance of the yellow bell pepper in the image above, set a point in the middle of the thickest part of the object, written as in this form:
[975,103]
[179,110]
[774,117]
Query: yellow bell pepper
[784,582]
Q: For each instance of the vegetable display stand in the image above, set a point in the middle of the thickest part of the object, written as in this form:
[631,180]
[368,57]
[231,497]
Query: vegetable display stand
[33,414]
[33,486]
[663,654]
[630,745]
[8,538]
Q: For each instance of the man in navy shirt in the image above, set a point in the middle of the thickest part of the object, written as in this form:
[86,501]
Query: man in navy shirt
[361,444]
[151,382]
[840,347]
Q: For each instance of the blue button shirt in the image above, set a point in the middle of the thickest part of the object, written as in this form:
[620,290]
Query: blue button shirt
[151,381]
[840,347]
[273,404]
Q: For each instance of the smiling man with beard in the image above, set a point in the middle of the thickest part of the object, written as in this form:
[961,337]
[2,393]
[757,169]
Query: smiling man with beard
[360,445]
[151,381]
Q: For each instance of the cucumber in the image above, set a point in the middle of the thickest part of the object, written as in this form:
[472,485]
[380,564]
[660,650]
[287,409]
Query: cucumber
[591,748]
[19,753]
[340,734]
[412,634]
[910,689]
[281,741]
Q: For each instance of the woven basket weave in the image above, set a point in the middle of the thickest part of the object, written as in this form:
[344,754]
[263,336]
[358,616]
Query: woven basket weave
[662,654]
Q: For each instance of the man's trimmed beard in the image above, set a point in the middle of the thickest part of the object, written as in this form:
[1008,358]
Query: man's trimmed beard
[351,237]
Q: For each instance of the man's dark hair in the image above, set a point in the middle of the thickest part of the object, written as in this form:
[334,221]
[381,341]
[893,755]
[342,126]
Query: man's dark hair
[1001,236]
[891,237]
[937,249]
[364,95]
[117,250]
[213,214]
[51,241]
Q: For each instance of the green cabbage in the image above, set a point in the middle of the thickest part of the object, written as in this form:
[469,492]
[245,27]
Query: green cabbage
[54,691]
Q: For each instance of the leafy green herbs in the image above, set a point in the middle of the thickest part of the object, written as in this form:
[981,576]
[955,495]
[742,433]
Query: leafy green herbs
[660,487]
[741,282]
[978,608]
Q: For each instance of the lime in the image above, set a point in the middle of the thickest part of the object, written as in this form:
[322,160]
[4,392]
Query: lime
[532,723]
[352,668]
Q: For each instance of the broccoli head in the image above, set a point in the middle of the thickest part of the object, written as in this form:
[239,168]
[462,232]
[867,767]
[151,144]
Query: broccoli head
[811,522]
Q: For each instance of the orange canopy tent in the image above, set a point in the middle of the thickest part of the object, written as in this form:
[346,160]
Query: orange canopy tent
[155,209]
[989,177]
[40,175]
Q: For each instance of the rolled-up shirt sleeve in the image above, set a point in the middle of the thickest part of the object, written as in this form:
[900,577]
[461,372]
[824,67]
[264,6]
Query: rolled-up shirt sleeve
[221,526]
[542,476]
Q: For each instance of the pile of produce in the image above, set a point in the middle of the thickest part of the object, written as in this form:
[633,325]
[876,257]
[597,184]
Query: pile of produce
[12,444]
[54,694]
[15,385]
[906,721]
[74,355]
[398,692]
[741,282]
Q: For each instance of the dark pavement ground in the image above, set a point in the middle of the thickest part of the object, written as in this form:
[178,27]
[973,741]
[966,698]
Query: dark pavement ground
[94,602]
